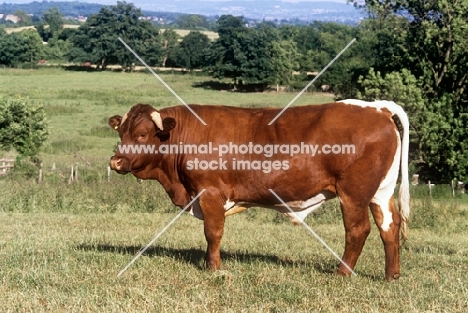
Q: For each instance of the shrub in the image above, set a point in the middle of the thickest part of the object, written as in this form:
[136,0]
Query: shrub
[22,126]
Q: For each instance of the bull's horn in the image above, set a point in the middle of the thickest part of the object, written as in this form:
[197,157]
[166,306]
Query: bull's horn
[123,119]
[156,117]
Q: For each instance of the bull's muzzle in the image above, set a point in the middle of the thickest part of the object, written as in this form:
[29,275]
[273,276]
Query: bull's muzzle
[120,164]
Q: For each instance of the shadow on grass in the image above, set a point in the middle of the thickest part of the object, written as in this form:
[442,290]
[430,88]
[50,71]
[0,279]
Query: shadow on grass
[213,85]
[80,68]
[193,256]
[223,86]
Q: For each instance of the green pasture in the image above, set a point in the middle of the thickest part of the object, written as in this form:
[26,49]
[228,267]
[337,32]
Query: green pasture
[62,245]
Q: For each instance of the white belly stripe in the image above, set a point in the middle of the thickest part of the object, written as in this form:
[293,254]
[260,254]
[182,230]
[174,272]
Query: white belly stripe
[301,208]
[308,207]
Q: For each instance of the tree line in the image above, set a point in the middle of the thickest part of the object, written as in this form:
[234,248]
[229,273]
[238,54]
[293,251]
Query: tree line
[407,51]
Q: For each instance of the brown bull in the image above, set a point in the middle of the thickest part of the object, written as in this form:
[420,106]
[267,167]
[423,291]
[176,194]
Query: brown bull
[350,149]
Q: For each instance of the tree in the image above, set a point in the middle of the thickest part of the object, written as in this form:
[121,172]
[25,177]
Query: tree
[328,41]
[250,52]
[97,40]
[320,42]
[248,56]
[52,22]
[190,53]
[12,49]
[23,126]
[54,19]
[383,39]
[34,49]
[432,44]
[283,61]
[56,49]
[20,47]
[307,40]
[192,21]
[223,61]
[170,42]
[260,56]
[24,18]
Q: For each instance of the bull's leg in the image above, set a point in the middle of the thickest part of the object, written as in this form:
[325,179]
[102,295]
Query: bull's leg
[389,226]
[357,228]
[213,233]
[213,217]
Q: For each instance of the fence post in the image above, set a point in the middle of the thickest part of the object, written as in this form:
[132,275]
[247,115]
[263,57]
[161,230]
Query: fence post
[70,180]
[6,165]
[75,176]
[108,173]
[39,179]
[461,186]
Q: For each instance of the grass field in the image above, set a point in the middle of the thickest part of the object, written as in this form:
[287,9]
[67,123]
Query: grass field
[181,32]
[62,246]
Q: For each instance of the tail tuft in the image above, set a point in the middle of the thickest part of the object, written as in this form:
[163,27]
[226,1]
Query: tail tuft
[403,194]
[403,203]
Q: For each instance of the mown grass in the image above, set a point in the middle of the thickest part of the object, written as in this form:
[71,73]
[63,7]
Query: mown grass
[62,245]
[64,260]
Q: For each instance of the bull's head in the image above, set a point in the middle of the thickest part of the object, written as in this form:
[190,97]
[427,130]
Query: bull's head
[140,129]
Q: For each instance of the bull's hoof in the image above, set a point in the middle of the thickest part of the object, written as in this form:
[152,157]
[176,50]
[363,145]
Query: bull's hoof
[212,267]
[296,222]
[343,273]
[394,277]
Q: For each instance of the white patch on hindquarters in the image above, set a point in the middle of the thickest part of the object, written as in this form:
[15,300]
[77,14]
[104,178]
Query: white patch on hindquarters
[387,187]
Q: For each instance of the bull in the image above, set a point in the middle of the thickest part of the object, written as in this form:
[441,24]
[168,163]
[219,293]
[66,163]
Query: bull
[229,158]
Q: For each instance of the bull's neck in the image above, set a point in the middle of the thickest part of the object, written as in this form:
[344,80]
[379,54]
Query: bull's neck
[169,171]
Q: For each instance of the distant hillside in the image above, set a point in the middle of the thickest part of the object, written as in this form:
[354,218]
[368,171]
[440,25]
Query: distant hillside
[168,11]
[74,9]
[272,10]
[36,8]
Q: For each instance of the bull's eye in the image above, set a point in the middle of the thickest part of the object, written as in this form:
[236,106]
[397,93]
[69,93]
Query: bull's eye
[143,136]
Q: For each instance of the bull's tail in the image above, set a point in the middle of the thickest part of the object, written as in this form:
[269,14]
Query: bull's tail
[403,193]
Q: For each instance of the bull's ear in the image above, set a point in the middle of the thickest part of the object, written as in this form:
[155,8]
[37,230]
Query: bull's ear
[168,124]
[114,121]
